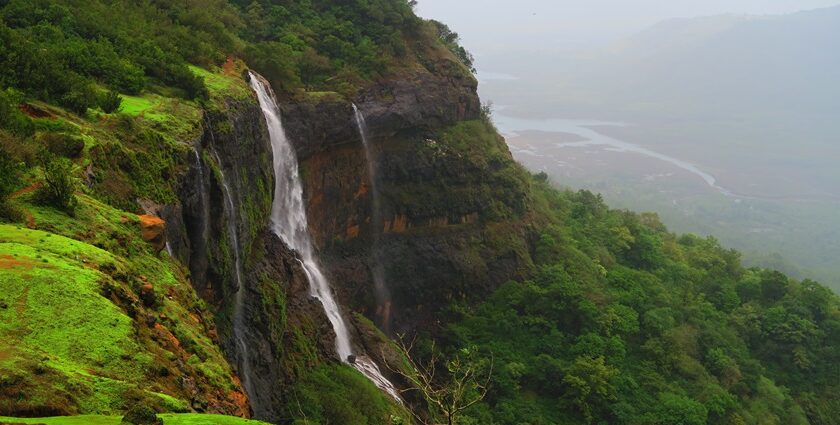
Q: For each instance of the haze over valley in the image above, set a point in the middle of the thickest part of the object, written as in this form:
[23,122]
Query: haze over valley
[725,125]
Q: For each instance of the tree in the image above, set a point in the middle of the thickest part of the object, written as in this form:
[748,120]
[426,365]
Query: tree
[110,102]
[9,181]
[60,183]
[452,41]
[450,392]
[9,175]
[589,385]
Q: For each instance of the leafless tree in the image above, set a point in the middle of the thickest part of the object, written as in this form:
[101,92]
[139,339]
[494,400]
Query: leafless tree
[449,386]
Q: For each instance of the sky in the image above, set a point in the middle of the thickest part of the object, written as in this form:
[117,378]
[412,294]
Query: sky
[490,27]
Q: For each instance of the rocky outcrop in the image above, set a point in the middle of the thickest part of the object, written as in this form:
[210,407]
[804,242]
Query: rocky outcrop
[279,315]
[441,237]
[422,99]
[280,323]
[153,231]
[439,241]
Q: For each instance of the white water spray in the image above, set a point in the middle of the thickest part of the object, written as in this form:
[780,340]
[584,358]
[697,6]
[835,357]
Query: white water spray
[289,223]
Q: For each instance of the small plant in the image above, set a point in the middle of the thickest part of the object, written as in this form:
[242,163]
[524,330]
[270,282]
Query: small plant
[141,414]
[110,102]
[59,183]
[10,180]
[63,144]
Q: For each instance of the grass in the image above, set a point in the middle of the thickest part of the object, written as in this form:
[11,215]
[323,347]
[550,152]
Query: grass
[75,338]
[135,105]
[66,349]
[225,82]
[58,319]
[168,419]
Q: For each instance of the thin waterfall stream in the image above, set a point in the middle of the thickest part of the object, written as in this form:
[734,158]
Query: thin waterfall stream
[289,223]
[238,320]
[383,295]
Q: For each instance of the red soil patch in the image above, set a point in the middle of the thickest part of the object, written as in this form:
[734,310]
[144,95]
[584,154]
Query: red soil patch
[10,262]
[229,67]
[5,354]
[174,343]
[26,190]
[35,112]
[240,400]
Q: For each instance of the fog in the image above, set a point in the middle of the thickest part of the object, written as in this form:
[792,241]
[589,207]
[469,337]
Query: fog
[495,26]
[721,116]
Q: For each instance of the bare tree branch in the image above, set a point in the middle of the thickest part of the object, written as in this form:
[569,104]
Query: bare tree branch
[447,396]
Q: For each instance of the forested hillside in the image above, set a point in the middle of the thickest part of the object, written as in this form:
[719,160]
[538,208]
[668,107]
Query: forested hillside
[624,322]
[136,182]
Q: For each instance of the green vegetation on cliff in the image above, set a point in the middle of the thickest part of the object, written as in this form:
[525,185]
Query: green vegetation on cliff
[616,321]
[168,419]
[626,323]
[99,321]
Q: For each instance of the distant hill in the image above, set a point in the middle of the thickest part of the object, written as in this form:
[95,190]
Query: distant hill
[753,100]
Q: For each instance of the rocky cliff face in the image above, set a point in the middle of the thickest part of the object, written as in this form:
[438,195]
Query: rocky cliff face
[453,220]
[441,239]
[283,329]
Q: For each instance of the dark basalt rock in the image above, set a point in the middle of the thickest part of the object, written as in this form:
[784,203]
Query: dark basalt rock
[415,102]
[434,203]
[276,305]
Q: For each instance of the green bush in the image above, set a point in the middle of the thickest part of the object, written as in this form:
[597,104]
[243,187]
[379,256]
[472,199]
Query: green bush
[9,175]
[59,184]
[110,102]
[141,415]
[10,116]
[79,97]
[62,144]
[10,180]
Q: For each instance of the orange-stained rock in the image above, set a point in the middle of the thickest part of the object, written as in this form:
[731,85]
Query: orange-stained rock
[352,231]
[240,400]
[153,231]
[363,189]
[398,225]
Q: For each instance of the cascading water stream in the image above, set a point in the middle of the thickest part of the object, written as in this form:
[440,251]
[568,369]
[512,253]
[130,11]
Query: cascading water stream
[238,321]
[289,223]
[383,295]
[202,195]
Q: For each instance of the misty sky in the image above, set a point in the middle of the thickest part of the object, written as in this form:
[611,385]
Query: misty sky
[488,27]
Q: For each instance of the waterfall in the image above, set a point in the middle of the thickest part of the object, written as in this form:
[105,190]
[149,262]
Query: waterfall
[238,320]
[383,295]
[289,223]
[205,203]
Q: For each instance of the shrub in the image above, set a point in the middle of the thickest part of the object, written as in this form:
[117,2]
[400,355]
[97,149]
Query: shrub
[59,184]
[9,175]
[110,102]
[141,414]
[79,98]
[10,117]
[63,144]
[9,181]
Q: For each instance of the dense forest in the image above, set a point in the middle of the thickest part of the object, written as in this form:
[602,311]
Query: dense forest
[618,322]
[624,322]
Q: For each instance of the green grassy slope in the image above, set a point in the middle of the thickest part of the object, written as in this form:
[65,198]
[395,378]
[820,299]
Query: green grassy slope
[76,336]
[168,419]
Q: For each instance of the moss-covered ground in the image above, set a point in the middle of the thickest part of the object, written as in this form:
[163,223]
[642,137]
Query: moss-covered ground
[92,318]
[75,336]
[168,419]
